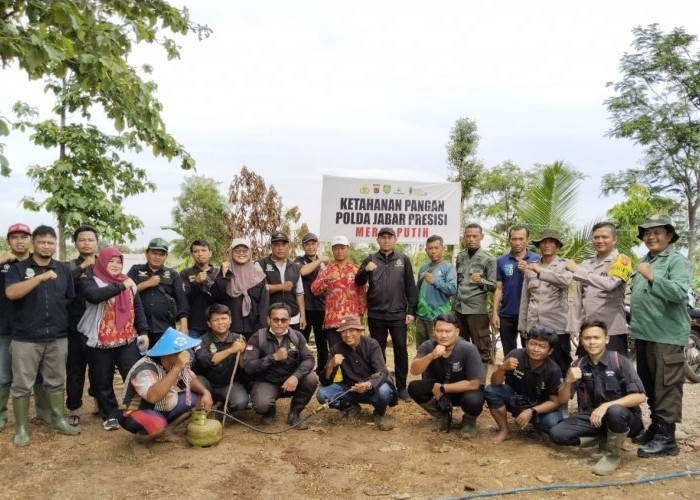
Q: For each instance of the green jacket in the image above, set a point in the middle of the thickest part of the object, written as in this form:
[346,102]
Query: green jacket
[470,297]
[660,308]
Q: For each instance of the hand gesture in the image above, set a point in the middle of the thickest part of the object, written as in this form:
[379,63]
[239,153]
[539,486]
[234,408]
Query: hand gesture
[335,275]
[49,275]
[410,318]
[201,277]
[644,268]
[429,278]
[325,259]
[510,364]
[238,346]
[571,266]
[522,265]
[287,286]
[128,283]
[225,266]
[290,385]
[438,351]
[598,414]
[182,359]
[371,266]
[476,278]
[337,360]
[573,374]
[7,257]
[154,280]
[280,354]
[535,267]
[361,387]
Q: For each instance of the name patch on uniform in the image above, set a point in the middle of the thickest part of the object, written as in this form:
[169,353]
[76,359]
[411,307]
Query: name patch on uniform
[508,269]
[622,267]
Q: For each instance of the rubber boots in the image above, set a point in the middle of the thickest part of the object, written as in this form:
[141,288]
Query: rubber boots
[4,396]
[21,409]
[645,436]
[58,415]
[42,405]
[439,419]
[664,443]
[610,461]
[294,417]
[381,421]
[468,430]
[590,441]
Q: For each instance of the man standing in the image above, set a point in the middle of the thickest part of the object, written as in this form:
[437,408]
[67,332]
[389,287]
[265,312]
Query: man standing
[451,375]
[510,269]
[437,283]
[284,279]
[545,296]
[40,289]
[310,265]
[162,294]
[280,365]
[19,238]
[660,327]
[600,294]
[343,297]
[476,277]
[85,239]
[359,364]
[198,281]
[391,301]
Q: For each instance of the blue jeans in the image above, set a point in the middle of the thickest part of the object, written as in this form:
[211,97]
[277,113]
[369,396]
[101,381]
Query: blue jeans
[380,396]
[498,396]
[5,361]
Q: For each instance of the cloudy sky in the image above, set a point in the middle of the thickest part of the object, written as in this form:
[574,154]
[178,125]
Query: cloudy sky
[296,90]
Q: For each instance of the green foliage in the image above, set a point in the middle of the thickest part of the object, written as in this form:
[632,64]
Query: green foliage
[461,156]
[200,211]
[657,105]
[632,212]
[496,194]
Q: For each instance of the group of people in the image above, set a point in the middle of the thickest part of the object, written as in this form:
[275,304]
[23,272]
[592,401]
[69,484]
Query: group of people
[239,333]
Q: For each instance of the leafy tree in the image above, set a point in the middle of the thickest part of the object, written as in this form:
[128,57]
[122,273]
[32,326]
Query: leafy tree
[495,195]
[200,211]
[461,157]
[630,213]
[657,105]
[81,50]
[257,211]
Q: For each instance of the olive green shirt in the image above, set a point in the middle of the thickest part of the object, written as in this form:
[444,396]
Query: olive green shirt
[470,297]
[660,307]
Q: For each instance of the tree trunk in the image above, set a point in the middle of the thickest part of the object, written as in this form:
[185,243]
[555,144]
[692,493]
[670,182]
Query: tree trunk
[692,225]
[61,220]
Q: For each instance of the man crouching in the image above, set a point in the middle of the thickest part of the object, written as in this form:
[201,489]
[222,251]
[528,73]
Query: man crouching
[526,385]
[452,373]
[161,390]
[609,393]
[362,371]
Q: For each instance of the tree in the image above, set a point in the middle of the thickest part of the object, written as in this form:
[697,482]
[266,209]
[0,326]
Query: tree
[200,211]
[257,211]
[461,157]
[657,105]
[632,212]
[495,195]
[81,50]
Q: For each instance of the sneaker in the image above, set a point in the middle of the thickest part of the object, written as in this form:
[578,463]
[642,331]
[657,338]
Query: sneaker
[111,424]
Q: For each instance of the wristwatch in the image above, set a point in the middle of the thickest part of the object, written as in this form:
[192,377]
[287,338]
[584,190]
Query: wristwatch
[442,388]
[534,411]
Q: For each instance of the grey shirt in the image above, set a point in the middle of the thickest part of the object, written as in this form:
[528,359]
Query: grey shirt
[545,297]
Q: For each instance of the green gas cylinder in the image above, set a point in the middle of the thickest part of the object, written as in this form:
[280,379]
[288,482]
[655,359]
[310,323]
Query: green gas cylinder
[203,431]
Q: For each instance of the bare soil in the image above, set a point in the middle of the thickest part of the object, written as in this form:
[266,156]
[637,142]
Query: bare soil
[335,458]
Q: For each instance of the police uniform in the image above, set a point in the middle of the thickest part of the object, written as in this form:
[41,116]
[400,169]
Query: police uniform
[611,379]
[463,363]
[600,296]
[216,378]
[164,304]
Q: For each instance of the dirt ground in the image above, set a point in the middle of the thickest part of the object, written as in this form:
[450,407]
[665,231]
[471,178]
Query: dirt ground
[335,458]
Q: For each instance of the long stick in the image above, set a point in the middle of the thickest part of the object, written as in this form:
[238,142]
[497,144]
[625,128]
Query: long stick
[228,393]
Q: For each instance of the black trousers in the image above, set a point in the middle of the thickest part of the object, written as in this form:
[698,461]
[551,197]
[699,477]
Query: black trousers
[561,354]
[314,321]
[660,366]
[475,328]
[509,333]
[379,330]
[471,402]
[102,363]
[617,419]
[76,362]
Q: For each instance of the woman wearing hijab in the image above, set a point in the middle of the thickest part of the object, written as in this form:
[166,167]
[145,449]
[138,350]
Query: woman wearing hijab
[112,322]
[241,287]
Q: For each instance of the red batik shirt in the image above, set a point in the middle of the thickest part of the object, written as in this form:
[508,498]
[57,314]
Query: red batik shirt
[343,296]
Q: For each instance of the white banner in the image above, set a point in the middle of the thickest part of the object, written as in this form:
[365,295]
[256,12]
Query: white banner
[359,208]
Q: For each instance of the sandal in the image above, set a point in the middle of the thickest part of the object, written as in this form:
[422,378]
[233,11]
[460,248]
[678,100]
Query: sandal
[73,419]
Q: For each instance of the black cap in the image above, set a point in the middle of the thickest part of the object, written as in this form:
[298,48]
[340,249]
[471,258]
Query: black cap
[309,237]
[279,236]
[386,230]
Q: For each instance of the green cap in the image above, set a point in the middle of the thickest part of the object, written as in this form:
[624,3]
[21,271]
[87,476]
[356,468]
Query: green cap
[158,244]
[658,220]
[548,233]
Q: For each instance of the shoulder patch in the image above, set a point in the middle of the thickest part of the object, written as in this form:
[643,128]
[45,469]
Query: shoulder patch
[622,267]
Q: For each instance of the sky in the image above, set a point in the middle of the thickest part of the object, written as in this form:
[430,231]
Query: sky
[296,90]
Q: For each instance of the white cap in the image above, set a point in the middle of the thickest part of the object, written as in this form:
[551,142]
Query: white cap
[237,242]
[340,240]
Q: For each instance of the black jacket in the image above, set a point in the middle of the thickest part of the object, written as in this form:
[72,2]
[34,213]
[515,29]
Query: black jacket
[156,304]
[392,292]
[96,294]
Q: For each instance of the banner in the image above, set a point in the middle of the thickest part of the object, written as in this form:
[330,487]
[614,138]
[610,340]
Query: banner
[359,208]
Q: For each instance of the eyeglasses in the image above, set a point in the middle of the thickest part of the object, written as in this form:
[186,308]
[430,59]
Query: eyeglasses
[279,320]
[241,250]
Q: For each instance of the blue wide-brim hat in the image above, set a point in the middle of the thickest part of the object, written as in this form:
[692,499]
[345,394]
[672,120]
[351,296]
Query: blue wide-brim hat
[172,342]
